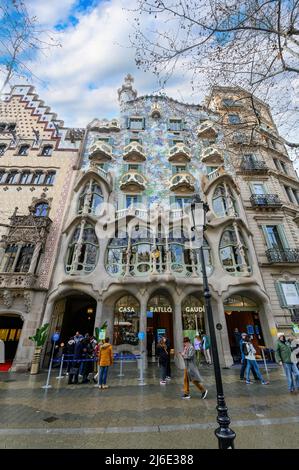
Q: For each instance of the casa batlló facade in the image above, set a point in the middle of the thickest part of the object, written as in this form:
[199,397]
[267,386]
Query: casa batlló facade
[127,257]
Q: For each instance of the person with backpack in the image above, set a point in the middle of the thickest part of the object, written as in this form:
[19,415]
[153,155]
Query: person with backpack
[244,360]
[249,353]
[206,344]
[283,354]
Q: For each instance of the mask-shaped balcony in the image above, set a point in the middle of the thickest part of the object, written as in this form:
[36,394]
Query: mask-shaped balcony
[183,182]
[100,151]
[132,181]
[179,153]
[207,130]
[114,125]
[133,152]
[212,155]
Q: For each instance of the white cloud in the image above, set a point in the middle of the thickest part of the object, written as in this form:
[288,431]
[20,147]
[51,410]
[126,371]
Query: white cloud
[82,76]
[49,12]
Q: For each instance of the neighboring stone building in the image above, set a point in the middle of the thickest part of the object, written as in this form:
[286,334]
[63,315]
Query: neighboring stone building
[37,159]
[141,276]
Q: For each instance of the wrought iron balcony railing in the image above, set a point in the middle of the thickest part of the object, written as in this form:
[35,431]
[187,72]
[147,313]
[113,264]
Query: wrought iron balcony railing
[287,255]
[253,167]
[265,201]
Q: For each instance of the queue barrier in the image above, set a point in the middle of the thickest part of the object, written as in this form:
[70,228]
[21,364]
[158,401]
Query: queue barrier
[116,357]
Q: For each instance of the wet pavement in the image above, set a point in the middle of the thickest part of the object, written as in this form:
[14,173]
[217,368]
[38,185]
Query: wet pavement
[132,416]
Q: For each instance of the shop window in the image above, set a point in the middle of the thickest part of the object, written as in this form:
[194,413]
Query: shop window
[126,321]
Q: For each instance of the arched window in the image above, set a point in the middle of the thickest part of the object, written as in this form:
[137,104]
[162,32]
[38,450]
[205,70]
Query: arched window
[91,197]
[47,151]
[41,209]
[224,202]
[83,250]
[233,252]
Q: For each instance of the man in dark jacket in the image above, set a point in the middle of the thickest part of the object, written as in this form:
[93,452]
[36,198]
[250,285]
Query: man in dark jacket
[75,364]
[283,357]
[163,359]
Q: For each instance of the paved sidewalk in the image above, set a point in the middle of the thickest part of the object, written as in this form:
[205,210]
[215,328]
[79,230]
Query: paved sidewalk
[128,415]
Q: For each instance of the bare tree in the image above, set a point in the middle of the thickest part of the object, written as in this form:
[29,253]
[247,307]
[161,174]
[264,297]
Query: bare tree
[21,38]
[249,43]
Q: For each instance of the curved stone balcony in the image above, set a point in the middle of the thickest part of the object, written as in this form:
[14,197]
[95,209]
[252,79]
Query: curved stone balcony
[133,152]
[207,130]
[179,153]
[114,125]
[212,154]
[132,181]
[100,151]
[183,182]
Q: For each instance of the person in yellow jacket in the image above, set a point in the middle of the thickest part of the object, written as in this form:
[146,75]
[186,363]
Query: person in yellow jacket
[105,360]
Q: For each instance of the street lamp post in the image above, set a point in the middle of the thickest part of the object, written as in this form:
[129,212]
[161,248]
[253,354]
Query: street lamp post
[224,434]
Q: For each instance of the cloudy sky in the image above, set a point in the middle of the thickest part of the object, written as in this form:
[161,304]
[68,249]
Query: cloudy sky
[80,79]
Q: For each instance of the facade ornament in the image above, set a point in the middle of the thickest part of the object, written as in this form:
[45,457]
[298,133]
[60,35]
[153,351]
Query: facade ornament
[27,300]
[7,298]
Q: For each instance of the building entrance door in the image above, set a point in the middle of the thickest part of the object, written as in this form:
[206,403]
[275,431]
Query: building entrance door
[242,316]
[159,322]
[10,332]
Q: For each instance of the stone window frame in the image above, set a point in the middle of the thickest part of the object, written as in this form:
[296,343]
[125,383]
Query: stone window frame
[235,269]
[88,193]
[77,250]
[20,147]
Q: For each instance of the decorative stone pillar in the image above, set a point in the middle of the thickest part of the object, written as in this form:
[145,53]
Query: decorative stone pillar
[230,208]
[224,352]
[78,248]
[128,257]
[178,335]
[99,313]
[244,267]
[19,245]
[142,328]
[87,200]
[34,258]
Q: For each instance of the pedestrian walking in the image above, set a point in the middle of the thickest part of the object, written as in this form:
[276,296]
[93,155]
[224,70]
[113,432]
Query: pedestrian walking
[206,344]
[163,359]
[197,343]
[244,360]
[87,356]
[191,372]
[168,368]
[283,354]
[250,352]
[105,361]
